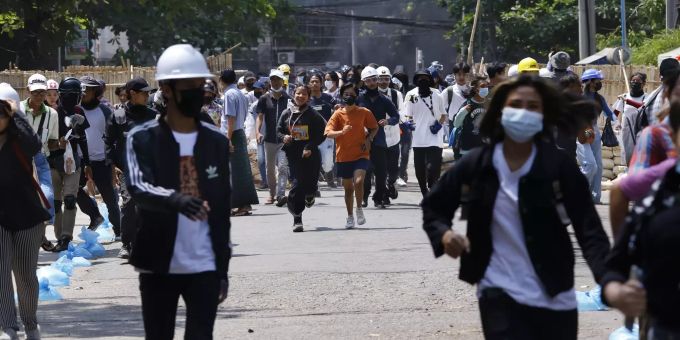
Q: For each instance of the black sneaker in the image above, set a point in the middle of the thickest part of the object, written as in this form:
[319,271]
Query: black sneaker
[62,244]
[297,224]
[95,223]
[392,191]
[364,204]
[309,201]
[387,201]
[379,205]
[281,201]
[317,193]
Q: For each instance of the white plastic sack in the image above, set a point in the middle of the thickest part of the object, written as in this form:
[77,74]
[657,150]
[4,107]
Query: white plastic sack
[69,161]
[327,149]
[250,127]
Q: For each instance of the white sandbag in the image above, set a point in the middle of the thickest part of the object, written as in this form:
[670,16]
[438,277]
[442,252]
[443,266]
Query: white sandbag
[619,169]
[608,174]
[607,154]
[619,161]
[447,155]
[608,164]
[606,184]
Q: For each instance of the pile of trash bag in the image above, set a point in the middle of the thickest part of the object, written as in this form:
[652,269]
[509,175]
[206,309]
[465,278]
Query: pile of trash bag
[105,230]
[89,249]
[590,301]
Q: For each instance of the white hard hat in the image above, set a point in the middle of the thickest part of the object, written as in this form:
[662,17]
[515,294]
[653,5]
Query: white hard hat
[181,61]
[242,80]
[512,71]
[52,84]
[368,72]
[8,92]
[545,73]
[383,71]
[277,73]
[37,82]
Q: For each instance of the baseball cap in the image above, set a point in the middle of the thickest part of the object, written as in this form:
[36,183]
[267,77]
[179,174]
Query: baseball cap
[528,65]
[37,82]
[276,73]
[138,84]
[52,84]
[88,81]
[258,85]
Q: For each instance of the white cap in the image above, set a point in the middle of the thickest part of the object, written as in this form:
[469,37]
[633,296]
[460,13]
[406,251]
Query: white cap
[181,61]
[241,80]
[512,71]
[368,72]
[383,71]
[277,73]
[52,84]
[37,82]
[8,92]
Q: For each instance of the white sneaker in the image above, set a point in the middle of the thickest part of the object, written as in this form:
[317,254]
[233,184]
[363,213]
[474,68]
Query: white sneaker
[9,334]
[360,216]
[350,222]
[400,182]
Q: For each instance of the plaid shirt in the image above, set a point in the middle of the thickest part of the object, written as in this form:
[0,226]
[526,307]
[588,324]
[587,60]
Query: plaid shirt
[653,147]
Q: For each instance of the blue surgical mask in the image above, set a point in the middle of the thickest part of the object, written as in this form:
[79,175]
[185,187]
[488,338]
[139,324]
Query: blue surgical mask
[521,125]
[483,92]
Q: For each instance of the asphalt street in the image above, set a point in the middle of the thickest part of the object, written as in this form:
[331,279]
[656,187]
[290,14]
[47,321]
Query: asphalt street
[379,281]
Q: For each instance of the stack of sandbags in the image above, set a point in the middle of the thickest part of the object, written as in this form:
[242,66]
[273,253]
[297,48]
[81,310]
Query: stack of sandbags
[608,162]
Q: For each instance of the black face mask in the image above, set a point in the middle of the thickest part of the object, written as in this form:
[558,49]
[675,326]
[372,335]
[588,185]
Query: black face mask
[191,103]
[349,100]
[372,93]
[598,87]
[69,100]
[258,95]
[636,89]
[207,100]
[424,87]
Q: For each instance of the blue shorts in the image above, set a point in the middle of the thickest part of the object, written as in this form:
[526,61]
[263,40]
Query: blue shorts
[346,169]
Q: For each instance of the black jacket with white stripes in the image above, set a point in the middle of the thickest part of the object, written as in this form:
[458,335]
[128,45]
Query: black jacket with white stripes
[153,180]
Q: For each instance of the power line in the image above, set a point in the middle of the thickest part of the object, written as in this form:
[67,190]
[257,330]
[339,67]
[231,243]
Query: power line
[431,24]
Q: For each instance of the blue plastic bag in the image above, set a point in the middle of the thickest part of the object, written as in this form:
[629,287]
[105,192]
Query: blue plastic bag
[82,252]
[104,211]
[80,262]
[55,277]
[64,264]
[590,301]
[106,235]
[91,247]
[96,249]
[47,292]
[624,334]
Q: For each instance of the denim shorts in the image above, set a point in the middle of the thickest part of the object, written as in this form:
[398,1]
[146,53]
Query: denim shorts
[346,169]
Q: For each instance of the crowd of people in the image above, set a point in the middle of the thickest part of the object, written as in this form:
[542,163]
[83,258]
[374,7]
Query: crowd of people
[172,166]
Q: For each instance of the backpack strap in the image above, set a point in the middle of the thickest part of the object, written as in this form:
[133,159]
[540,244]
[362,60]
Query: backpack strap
[449,98]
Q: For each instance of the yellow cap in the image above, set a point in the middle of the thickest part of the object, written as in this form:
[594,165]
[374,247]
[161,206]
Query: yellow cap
[528,65]
[284,68]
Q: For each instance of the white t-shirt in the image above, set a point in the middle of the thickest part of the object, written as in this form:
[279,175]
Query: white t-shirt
[95,134]
[510,267]
[393,132]
[50,125]
[457,100]
[425,111]
[193,251]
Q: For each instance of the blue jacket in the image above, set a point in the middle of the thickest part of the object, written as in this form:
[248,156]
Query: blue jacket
[382,107]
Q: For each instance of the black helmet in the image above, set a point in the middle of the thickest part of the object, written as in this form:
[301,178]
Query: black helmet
[70,85]
[423,72]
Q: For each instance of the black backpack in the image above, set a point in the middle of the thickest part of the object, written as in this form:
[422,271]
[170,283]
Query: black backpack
[642,118]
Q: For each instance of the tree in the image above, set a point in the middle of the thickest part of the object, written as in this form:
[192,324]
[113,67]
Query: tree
[31,30]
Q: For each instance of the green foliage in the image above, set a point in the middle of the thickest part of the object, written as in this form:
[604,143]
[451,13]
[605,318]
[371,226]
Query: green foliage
[646,53]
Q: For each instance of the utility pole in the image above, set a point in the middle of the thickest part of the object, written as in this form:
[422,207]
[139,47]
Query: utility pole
[586,28]
[624,38]
[354,37]
[671,13]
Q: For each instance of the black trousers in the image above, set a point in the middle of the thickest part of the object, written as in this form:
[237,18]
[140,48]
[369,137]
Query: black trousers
[428,164]
[379,169]
[405,149]
[393,153]
[128,218]
[505,319]
[160,295]
[304,172]
[102,177]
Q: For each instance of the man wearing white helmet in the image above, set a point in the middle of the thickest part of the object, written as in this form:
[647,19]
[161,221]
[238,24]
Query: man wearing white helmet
[178,174]
[22,217]
[385,113]
[392,132]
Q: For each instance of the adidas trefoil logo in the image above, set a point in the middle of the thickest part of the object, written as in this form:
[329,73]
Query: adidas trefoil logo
[212,172]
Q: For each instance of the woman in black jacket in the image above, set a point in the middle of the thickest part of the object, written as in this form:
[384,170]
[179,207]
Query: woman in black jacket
[301,130]
[519,194]
[22,218]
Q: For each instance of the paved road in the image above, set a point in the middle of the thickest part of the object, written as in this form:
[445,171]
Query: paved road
[379,281]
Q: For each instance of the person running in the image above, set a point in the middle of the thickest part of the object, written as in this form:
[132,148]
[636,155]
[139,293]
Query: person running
[427,110]
[300,129]
[103,174]
[518,193]
[178,174]
[348,127]
[470,116]
[66,167]
[134,113]
[22,218]
[269,109]
[385,114]
[322,103]
[233,121]
[647,245]
[628,104]
[392,132]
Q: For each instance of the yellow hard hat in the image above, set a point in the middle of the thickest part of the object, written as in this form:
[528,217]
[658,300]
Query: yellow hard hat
[528,65]
[284,68]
